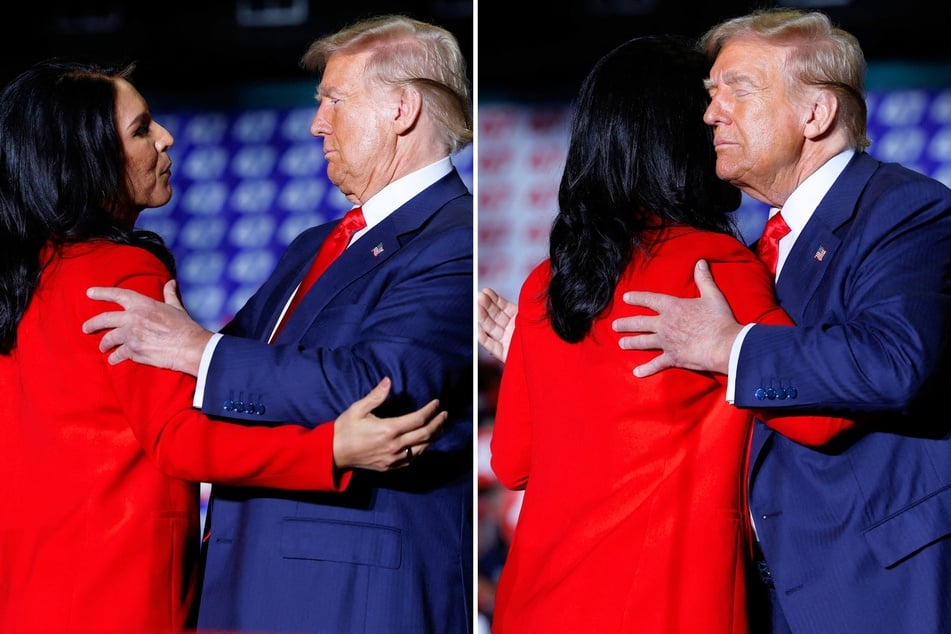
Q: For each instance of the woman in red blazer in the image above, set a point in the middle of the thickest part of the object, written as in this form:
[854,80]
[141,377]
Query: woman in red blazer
[101,463]
[633,517]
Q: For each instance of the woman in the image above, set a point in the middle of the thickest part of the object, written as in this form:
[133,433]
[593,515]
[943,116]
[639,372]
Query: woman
[633,516]
[101,463]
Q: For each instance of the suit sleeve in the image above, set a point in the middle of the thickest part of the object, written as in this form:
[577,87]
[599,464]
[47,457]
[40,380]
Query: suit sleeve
[749,291]
[874,338]
[185,444]
[417,329]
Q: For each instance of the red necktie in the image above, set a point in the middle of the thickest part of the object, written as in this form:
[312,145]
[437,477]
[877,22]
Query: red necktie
[333,246]
[767,249]
[768,246]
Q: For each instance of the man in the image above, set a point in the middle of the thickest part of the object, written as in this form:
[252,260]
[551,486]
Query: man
[393,553]
[856,535]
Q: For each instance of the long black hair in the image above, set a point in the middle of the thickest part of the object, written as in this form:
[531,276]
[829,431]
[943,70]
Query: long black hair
[639,157]
[61,171]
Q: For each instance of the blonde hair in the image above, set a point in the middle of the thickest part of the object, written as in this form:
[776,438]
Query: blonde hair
[408,52]
[822,55]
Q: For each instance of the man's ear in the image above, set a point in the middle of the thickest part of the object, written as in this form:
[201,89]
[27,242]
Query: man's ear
[410,108]
[824,109]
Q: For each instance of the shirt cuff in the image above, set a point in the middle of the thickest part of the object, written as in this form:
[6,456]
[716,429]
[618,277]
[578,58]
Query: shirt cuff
[734,359]
[203,369]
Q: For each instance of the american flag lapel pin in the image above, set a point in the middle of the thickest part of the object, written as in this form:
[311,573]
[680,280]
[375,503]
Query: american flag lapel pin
[820,253]
[377,250]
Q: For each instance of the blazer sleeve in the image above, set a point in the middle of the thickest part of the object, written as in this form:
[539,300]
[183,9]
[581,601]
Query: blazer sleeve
[806,429]
[511,442]
[181,441]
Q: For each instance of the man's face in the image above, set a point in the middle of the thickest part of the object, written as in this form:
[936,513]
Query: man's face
[758,126]
[355,119]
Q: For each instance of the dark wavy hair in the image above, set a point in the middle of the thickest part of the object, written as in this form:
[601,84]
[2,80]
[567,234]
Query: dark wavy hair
[639,157]
[61,171]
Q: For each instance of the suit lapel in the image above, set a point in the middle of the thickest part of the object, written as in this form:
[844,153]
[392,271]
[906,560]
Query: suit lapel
[287,277]
[805,266]
[370,251]
[817,246]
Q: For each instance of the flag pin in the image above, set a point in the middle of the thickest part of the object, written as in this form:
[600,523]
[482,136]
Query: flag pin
[377,250]
[820,253]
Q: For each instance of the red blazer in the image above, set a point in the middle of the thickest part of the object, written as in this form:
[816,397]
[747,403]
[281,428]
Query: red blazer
[99,525]
[633,517]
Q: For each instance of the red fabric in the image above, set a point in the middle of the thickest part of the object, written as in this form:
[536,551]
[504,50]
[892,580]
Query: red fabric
[335,244]
[101,464]
[633,518]
[767,248]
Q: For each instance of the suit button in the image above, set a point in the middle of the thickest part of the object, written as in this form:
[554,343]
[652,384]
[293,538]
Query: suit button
[229,405]
[260,410]
[791,392]
[760,394]
[770,393]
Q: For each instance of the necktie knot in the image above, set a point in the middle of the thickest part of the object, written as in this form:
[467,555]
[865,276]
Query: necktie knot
[352,221]
[767,248]
[338,239]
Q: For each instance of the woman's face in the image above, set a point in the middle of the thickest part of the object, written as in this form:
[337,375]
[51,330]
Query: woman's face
[145,148]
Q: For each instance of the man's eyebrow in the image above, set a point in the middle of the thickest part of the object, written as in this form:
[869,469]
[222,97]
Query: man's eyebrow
[743,79]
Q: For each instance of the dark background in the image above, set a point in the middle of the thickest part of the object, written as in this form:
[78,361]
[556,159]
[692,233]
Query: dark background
[549,52]
[526,48]
[198,46]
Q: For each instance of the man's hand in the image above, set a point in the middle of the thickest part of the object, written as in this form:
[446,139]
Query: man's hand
[364,441]
[148,331]
[695,334]
[496,323]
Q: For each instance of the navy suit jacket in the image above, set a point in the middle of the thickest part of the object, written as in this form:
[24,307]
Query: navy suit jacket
[393,553]
[856,533]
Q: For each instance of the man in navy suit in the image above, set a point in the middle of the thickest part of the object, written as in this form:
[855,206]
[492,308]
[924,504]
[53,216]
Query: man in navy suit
[393,552]
[856,535]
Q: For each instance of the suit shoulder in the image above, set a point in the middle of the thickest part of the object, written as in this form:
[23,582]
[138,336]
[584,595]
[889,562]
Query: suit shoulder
[890,176]
[896,195]
[457,213]
[451,226]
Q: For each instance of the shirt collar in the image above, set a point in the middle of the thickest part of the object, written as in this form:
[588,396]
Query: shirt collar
[397,193]
[803,201]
